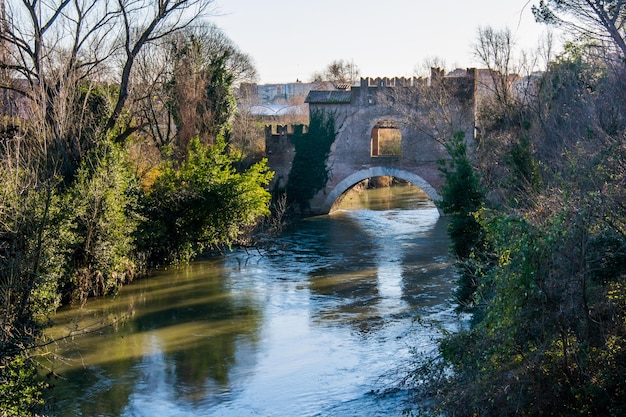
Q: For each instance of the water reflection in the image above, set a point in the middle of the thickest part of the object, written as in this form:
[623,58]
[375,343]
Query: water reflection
[181,328]
[306,327]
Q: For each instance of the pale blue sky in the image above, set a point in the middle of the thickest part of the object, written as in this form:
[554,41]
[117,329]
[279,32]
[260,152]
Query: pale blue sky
[290,39]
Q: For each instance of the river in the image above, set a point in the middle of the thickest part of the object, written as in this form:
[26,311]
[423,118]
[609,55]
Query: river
[322,322]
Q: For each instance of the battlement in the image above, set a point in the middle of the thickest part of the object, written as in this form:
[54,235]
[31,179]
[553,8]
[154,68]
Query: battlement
[436,75]
[462,83]
[278,131]
[393,82]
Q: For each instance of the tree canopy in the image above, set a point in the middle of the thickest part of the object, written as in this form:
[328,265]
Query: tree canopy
[597,20]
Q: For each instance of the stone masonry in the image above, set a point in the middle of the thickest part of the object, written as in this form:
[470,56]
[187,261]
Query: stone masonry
[358,111]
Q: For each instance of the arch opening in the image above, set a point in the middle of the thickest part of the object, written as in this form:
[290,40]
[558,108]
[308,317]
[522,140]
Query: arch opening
[382,193]
[359,176]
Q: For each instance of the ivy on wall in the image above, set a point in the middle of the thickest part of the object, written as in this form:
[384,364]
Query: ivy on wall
[309,173]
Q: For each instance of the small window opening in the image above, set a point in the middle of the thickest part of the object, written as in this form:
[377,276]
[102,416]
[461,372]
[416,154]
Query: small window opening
[386,139]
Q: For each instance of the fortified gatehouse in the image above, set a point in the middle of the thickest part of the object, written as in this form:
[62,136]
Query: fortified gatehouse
[385,127]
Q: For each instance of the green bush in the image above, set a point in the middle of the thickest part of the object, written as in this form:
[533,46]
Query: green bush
[21,388]
[102,207]
[203,204]
[552,340]
[34,234]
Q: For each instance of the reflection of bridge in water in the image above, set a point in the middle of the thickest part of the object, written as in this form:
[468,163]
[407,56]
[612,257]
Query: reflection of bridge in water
[382,129]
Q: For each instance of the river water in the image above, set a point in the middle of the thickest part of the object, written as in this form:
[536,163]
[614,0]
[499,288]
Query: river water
[322,322]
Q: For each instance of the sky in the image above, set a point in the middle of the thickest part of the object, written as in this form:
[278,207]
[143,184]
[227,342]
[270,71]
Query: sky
[289,40]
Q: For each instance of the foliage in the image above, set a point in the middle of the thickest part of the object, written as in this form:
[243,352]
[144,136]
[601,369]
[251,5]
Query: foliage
[309,173]
[102,205]
[69,203]
[600,19]
[185,86]
[203,204]
[524,178]
[34,234]
[549,329]
[462,197]
[20,388]
[93,105]
[551,341]
[219,93]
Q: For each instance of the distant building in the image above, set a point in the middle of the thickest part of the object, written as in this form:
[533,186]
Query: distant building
[277,110]
[274,101]
[279,93]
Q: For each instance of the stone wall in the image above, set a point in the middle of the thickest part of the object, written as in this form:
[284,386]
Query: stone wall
[280,151]
[373,102]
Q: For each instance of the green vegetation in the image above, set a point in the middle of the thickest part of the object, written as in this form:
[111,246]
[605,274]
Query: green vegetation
[309,173]
[203,204]
[542,253]
[100,209]
[462,197]
[100,180]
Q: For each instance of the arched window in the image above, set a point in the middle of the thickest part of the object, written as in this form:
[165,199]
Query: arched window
[386,139]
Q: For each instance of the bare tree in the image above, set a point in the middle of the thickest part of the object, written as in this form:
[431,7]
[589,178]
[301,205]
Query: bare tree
[494,49]
[424,68]
[437,106]
[183,58]
[340,72]
[57,45]
[204,66]
[150,97]
[215,42]
[157,21]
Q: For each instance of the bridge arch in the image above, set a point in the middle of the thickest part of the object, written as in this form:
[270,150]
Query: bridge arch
[378,171]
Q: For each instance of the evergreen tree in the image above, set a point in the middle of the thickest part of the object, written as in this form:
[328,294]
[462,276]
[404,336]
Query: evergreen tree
[462,197]
[203,204]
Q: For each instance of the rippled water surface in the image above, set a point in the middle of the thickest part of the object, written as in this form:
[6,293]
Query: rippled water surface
[318,324]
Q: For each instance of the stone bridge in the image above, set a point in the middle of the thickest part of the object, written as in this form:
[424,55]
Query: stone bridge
[384,128]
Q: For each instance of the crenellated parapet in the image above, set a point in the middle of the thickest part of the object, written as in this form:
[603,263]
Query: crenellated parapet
[461,83]
[274,132]
[393,81]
